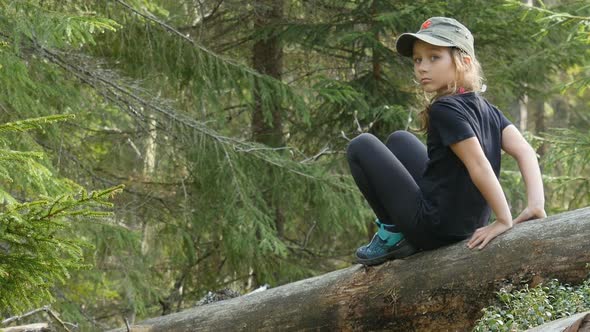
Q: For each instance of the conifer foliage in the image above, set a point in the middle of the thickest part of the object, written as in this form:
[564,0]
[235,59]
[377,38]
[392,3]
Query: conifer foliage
[37,247]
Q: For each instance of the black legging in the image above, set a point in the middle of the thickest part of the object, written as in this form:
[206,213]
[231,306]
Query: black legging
[387,175]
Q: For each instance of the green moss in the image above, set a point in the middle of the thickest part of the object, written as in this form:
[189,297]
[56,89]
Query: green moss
[529,307]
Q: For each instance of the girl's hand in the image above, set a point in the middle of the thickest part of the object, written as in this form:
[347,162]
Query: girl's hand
[530,213]
[484,235]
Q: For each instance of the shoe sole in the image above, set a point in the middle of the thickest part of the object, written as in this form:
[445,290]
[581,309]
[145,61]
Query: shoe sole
[403,252]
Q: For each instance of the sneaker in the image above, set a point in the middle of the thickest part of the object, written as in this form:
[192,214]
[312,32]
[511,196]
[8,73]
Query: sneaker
[384,245]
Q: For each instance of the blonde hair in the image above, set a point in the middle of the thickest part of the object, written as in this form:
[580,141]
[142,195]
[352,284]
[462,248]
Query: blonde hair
[469,76]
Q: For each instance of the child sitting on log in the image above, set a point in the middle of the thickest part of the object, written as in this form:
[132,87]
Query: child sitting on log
[429,196]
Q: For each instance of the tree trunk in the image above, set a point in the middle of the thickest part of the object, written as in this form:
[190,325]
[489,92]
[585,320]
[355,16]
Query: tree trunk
[267,120]
[574,323]
[267,59]
[523,109]
[524,99]
[540,125]
[440,290]
[376,56]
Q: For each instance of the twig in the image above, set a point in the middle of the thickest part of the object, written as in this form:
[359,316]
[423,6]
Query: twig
[261,148]
[356,121]
[308,234]
[409,119]
[15,318]
[325,150]
[344,135]
[127,325]
[54,316]
[47,309]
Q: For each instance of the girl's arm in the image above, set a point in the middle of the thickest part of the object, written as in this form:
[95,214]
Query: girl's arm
[516,146]
[484,178]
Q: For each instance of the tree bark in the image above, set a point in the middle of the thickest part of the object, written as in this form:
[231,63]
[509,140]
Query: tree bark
[540,125]
[267,119]
[524,114]
[267,59]
[440,290]
[36,327]
[573,323]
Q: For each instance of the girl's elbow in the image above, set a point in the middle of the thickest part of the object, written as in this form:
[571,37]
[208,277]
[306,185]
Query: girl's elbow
[526,152]
[480,170]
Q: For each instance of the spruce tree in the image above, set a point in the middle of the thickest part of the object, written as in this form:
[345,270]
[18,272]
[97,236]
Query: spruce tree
[37,246]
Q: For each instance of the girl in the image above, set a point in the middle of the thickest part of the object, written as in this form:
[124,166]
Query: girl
[429,196]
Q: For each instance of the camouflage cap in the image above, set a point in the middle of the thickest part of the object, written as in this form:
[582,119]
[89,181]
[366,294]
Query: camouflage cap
[439,31]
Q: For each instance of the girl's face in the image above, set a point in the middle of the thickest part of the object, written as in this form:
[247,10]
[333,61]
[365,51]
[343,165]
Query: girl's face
[433,66]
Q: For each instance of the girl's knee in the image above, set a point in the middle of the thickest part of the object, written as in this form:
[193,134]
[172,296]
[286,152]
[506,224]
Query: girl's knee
[360,142]
[399,136]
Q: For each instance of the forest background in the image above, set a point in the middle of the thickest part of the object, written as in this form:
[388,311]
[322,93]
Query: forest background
[226,122]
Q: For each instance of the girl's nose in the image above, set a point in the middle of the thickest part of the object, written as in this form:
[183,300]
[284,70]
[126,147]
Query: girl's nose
[421,67]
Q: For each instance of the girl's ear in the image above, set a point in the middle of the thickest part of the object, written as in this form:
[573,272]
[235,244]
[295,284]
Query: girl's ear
[467,59]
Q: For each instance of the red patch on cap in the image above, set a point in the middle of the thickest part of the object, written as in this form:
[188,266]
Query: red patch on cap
[426,24]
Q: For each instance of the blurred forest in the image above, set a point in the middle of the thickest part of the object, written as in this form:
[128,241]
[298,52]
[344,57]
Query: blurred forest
[226,122]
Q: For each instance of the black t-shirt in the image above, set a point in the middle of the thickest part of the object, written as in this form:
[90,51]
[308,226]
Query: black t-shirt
[452,204]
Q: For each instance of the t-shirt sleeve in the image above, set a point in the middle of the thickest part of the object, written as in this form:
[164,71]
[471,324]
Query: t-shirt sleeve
[504,122]
[450,122]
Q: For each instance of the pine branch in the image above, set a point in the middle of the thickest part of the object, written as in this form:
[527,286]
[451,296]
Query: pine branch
[561,17]
[120,94]
[35,123]
[232,64]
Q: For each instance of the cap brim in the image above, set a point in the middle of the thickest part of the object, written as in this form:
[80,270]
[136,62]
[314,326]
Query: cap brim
[405,42]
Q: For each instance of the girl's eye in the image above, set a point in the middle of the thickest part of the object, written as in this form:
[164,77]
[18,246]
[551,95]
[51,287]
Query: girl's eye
[434,57]
[417,60]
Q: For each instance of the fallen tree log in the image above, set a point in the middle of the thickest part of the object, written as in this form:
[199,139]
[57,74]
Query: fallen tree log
[575,323]
[440,290]
[36,327]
